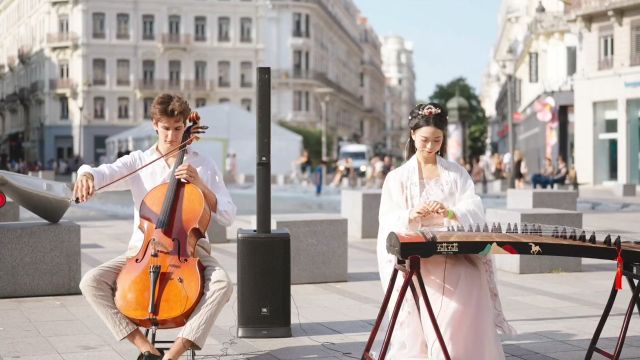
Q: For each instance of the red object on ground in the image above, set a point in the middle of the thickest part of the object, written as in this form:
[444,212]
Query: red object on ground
[3,199]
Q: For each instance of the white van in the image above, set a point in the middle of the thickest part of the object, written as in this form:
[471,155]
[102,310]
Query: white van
[359,155]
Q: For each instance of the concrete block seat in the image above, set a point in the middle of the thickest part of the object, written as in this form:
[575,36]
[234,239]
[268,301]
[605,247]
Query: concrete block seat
[527,264]
[39,258]
[319,249]
[542,198]
[10,211]
[360,208]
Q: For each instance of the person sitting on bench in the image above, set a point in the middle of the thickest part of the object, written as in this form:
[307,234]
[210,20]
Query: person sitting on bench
[543,179]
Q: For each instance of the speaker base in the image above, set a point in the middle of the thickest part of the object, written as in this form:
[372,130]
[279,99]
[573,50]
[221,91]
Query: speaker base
[266,332]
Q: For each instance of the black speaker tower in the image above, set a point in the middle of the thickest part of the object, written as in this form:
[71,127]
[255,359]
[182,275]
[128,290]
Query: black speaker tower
[264,256]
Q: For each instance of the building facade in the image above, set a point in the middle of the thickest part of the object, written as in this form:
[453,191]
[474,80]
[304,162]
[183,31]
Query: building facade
[607,90]
[397,60]
[74,72]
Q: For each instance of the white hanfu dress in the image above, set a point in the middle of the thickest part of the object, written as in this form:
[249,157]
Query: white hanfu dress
[461,288]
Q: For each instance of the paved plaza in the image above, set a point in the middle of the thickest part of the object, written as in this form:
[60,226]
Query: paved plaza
[555,314]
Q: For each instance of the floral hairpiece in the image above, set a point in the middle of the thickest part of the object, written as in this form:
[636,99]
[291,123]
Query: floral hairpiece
[430,110]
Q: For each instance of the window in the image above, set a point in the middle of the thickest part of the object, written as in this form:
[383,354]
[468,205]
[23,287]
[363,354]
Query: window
[201,74]
[174,73]
[571,60]
[147,27]
[98,107]
[300,101]
[64,108]
[201,28]
[246,77]
[605,58]
[223,100]
[174,25]
[146,106]
[224,79]
[123,72]
[123,108]
[63,24]
[307,33]
[99,72]
[246,103]
[148,70]
[297,24]
[245,29]
[297,101]
[98,26]
[533,67]
[635,43]
[297,63]
[223,28]
[200,102]
[63,70]
[123,26]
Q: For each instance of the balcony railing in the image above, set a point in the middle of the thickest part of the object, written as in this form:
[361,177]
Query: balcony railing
[62,39]
[605,63]
[183,84]
[175,40]
[584,7]
[61,84]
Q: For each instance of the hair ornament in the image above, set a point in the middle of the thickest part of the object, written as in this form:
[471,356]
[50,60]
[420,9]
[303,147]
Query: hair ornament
[430,110]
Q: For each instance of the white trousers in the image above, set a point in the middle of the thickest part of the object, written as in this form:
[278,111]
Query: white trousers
[98,287]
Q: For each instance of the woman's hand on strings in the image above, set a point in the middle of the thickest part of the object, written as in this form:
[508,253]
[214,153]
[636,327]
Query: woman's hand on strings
[436,207]
[83,189]
[419,212]
[188,173]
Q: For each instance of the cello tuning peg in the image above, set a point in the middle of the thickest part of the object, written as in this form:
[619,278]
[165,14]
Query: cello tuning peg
[563,233]
[582,237]
[607,240]
[485,228]
[617,242]
[592,238]
[515,228]
[573,235]
[508,231]
[478,228]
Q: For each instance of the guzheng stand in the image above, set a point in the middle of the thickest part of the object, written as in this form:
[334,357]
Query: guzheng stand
[632,272]
[410,269]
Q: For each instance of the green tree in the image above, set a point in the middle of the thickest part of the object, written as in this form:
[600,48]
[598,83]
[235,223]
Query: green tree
[477,125]
[311,140]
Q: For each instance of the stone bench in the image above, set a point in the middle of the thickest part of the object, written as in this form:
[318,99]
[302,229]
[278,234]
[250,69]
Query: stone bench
[542,198]
[39,259]
[624,189]
[10,212]
[534,264]
[360,208]
[217,233]
[43,174]
[319,249]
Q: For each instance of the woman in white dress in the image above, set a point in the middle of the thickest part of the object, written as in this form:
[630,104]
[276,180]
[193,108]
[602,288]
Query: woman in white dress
[430,192]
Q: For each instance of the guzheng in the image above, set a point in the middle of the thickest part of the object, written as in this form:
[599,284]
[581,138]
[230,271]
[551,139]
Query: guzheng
[531,240]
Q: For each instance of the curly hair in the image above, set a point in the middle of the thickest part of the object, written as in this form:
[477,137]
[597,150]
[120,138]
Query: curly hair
[431,114]
[170,106]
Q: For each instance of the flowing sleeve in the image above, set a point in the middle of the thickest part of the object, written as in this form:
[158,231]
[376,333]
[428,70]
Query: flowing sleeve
[393,216]
[226,211]
[107,173]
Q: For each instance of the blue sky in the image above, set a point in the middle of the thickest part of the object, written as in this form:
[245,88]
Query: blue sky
[451,37]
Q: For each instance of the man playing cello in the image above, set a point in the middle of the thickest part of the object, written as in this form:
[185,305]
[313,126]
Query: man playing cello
[169,114]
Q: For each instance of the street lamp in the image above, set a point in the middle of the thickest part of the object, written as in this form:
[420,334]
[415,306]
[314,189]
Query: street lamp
[510,135]
[324,95]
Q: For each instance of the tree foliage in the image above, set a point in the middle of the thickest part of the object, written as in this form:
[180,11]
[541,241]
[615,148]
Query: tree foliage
[477,126]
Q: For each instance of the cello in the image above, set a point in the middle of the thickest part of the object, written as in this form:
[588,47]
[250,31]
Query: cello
[161,285]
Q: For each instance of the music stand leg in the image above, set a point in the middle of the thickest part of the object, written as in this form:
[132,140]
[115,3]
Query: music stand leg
[625,323]
[396,310]
[603,320]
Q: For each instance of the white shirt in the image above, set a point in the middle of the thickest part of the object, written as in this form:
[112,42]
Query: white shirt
[141,182]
